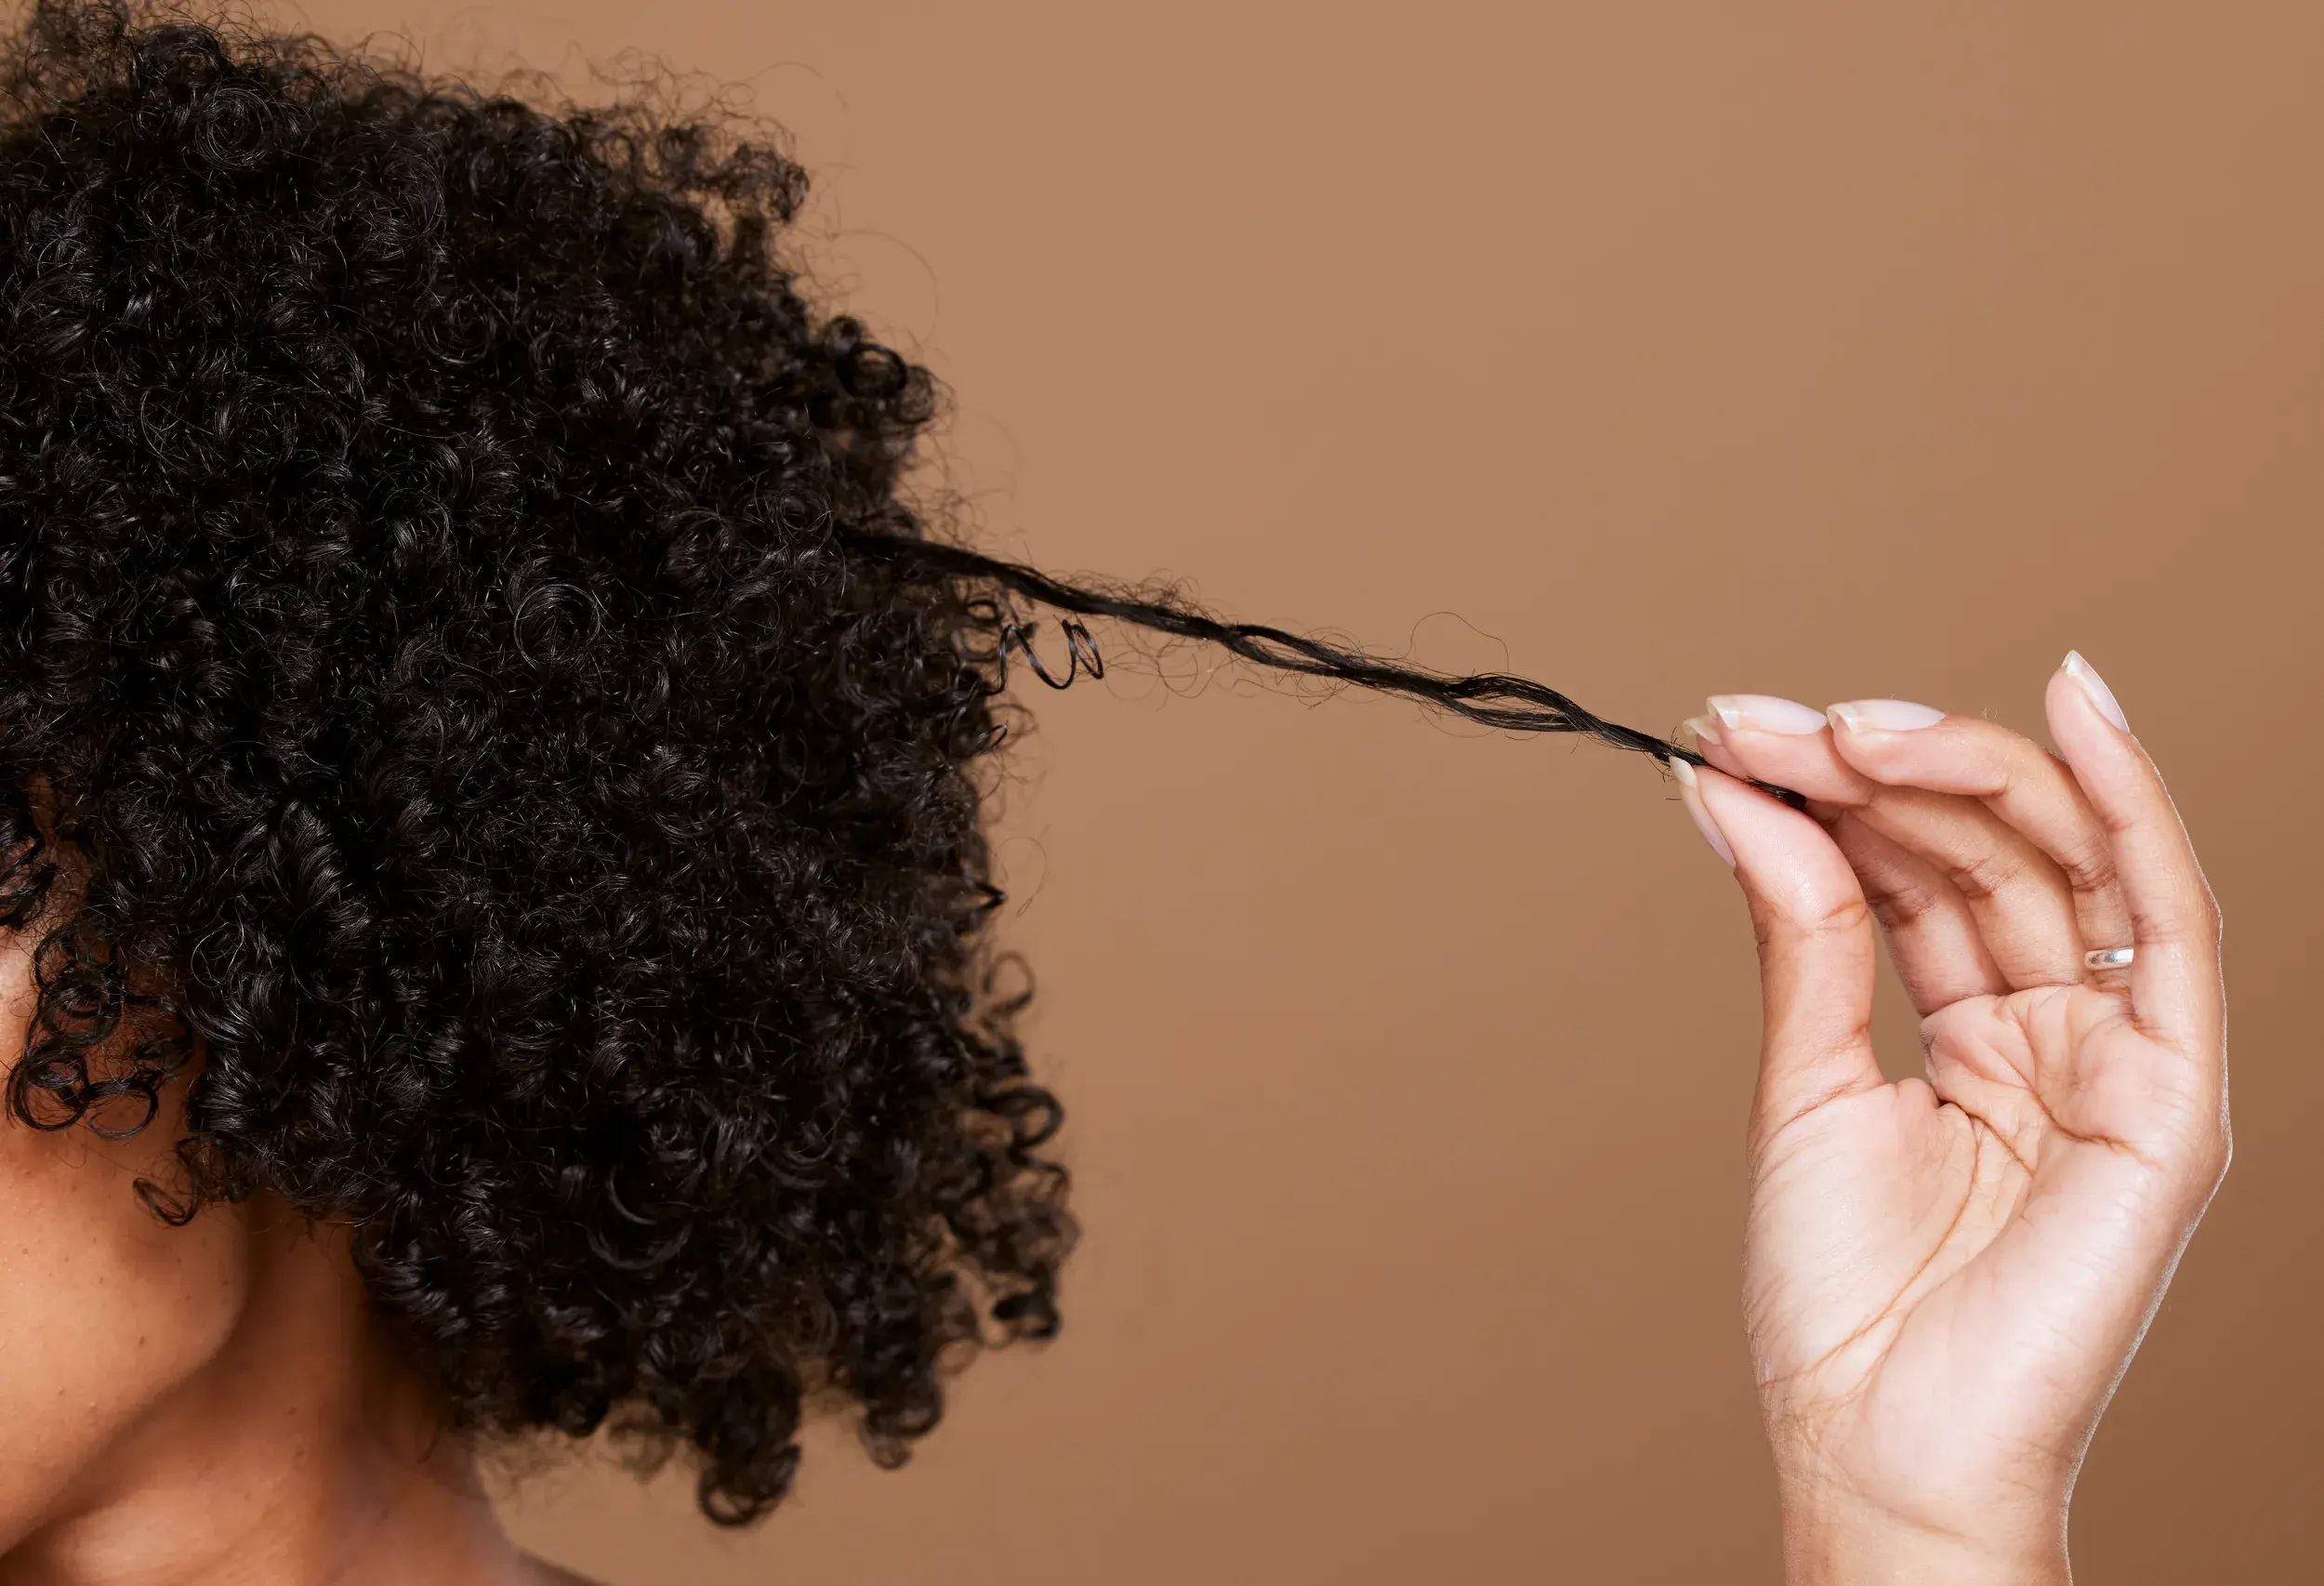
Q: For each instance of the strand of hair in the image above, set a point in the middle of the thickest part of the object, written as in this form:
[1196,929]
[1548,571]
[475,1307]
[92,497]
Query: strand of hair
[1493,699]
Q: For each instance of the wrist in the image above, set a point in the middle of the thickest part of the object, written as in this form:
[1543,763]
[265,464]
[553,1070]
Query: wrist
[1828,1540]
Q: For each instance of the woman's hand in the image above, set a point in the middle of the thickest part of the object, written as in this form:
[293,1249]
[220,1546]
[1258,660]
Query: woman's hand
[1944,1279]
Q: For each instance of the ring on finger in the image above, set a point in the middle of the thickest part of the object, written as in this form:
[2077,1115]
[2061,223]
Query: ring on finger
[2108,957]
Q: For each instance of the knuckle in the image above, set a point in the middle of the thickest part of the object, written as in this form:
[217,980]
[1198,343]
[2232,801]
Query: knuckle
[1847,916]
[1893,913]
[2186,921]
[1990,760]
[2089,864]
[1984,874]
[1772,927]
[1900,903]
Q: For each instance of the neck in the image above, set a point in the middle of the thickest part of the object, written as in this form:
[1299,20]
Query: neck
[306,1452]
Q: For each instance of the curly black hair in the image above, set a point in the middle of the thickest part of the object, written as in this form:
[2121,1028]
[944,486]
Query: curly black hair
[479,706]
[431,659]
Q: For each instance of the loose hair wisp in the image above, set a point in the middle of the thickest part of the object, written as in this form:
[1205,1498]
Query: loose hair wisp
[1492,699]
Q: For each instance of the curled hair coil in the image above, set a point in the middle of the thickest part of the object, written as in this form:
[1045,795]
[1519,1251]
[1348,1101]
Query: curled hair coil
[1081,650]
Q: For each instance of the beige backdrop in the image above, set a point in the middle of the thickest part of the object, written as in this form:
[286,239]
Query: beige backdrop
[1675,347]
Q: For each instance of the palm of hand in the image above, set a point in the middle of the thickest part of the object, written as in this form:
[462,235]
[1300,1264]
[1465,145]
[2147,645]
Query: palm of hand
[1927,1261]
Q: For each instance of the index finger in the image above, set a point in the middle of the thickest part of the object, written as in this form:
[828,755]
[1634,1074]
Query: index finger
[2175,992]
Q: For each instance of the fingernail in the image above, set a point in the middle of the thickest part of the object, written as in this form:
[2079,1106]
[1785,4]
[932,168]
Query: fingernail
[1765,713]
[1691,795]
[2102,696]
[1700,729]
[1883,716]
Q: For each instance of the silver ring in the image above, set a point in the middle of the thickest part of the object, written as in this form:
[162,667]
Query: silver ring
[2108,957]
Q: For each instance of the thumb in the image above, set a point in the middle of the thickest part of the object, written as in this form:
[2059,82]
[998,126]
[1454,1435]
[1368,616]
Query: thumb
[1816,957]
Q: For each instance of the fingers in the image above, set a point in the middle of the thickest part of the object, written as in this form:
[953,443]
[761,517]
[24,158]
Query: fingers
[1932,936]
[2175,991]
[2022,908]
[2028,791]
[2048,858]
[1779,741]
[1816,949]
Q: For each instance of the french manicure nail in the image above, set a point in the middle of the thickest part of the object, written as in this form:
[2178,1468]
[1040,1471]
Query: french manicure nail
[1691,795]
[1765,713]
[1700,727]
[2102,696]
[1885,716]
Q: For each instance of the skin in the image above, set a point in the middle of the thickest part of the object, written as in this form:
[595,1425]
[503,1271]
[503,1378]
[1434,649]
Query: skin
[208,1403]
[1946,1278]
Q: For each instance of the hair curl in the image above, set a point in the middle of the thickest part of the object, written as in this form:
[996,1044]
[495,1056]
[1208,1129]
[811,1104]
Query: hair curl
[427,643]
[469,677]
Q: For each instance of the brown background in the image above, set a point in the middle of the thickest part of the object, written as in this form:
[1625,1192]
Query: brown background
[1675,346]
